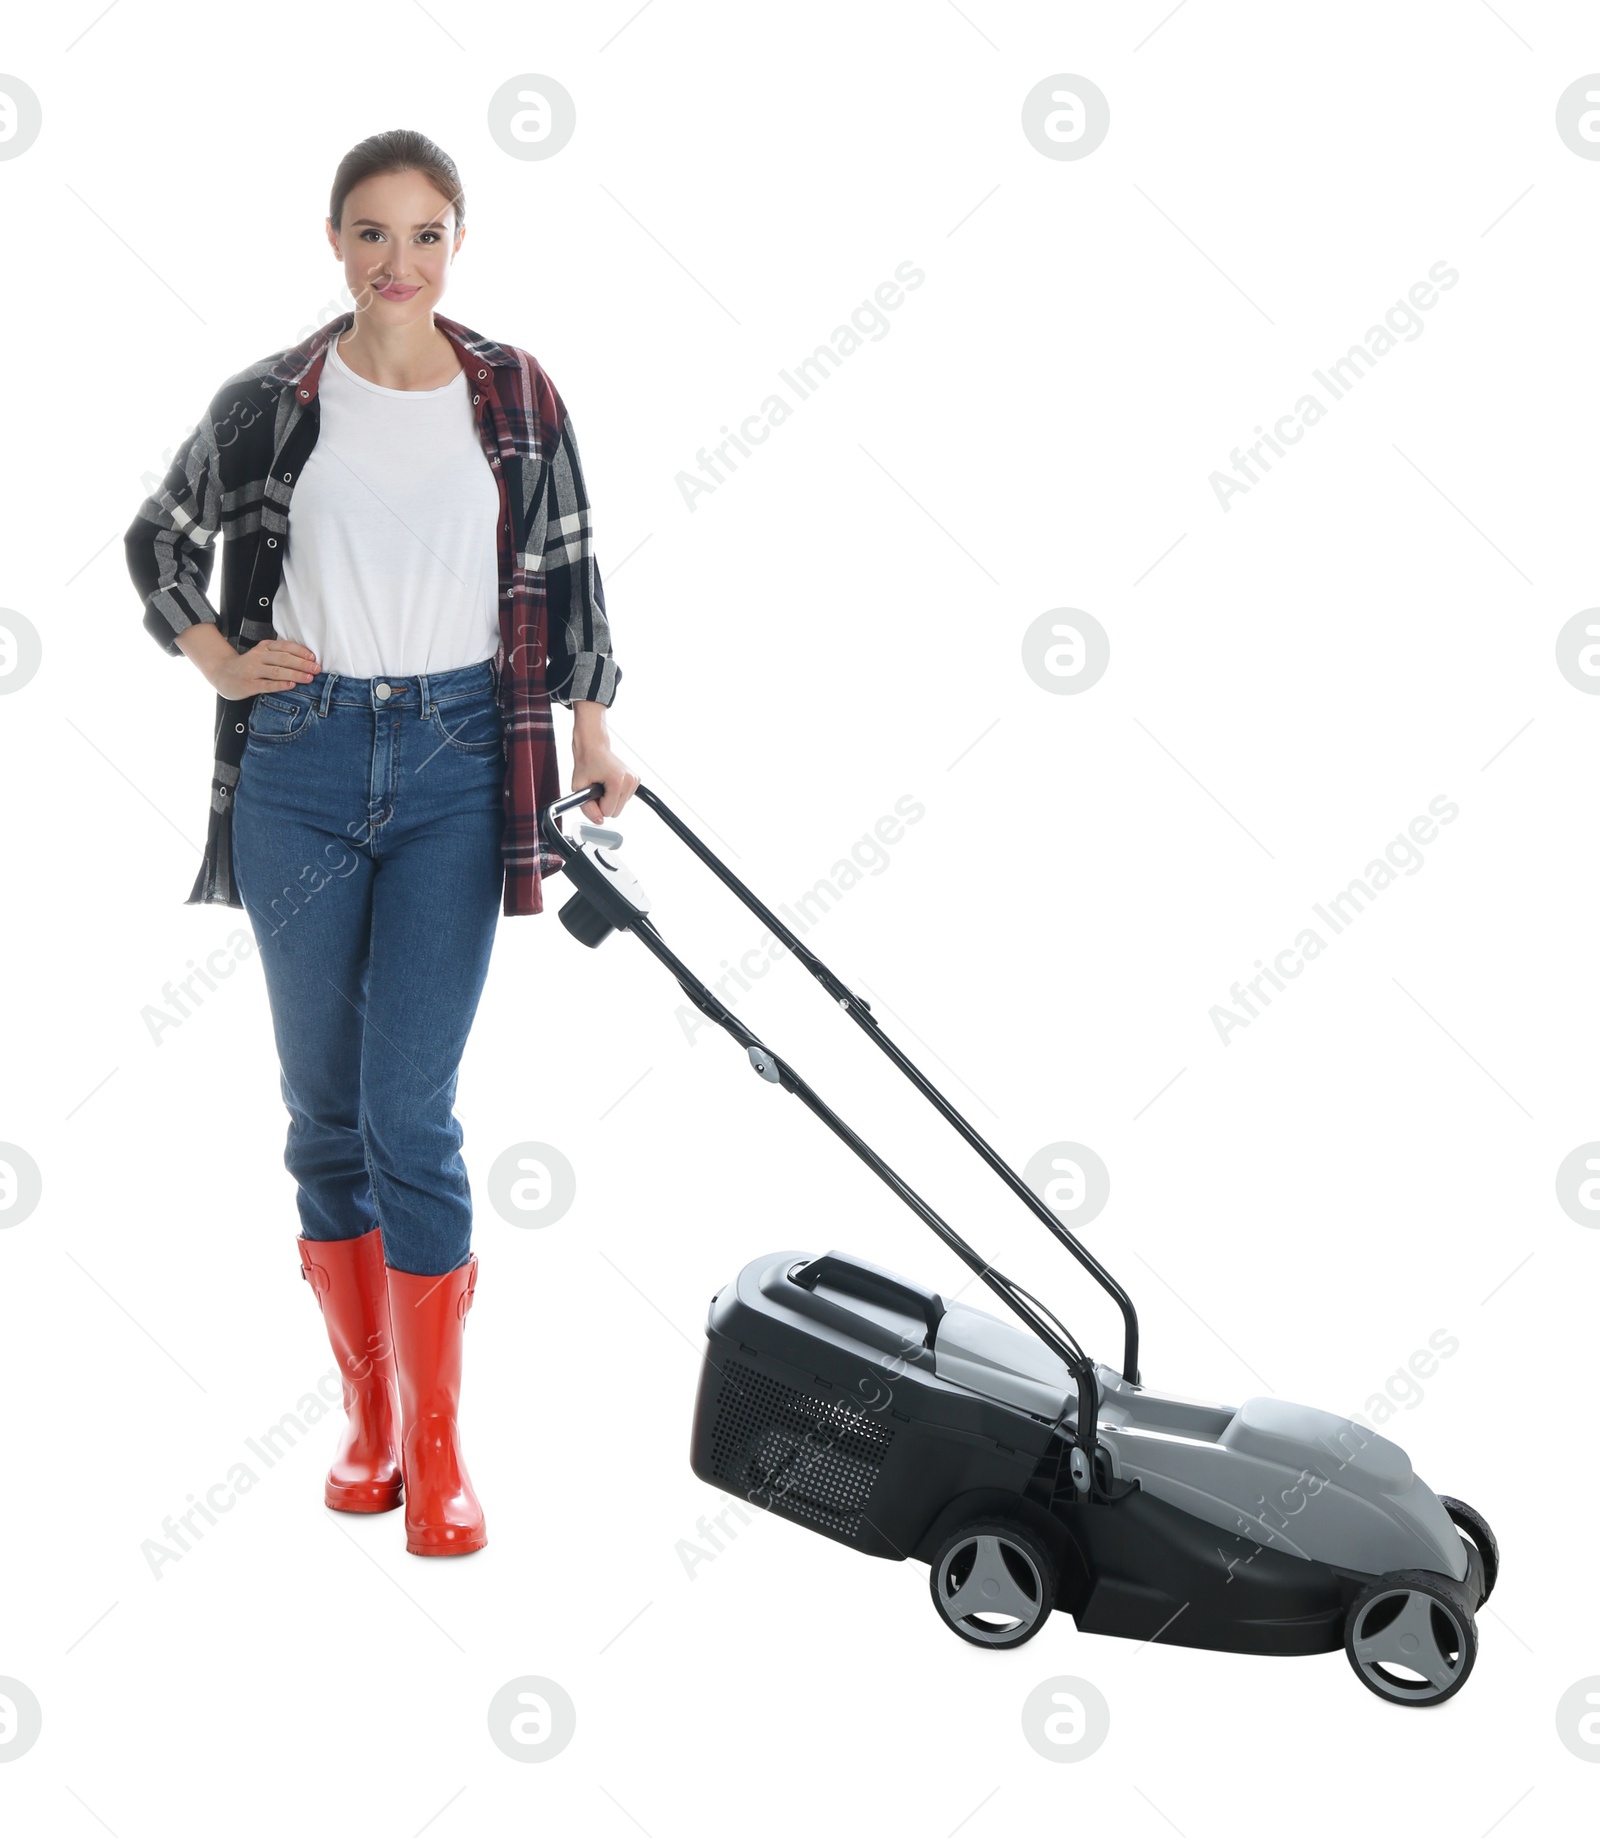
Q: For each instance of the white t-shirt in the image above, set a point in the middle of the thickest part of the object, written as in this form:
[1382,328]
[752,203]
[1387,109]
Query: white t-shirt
[392,567]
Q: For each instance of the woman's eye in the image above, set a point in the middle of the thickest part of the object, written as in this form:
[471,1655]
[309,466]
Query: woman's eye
[433,233]
[366,233]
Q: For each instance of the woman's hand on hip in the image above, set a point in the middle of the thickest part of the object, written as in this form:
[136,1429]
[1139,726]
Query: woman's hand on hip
[273,663]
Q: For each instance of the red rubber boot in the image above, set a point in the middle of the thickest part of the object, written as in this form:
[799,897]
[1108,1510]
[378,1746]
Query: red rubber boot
[428,1314]
[347,1276]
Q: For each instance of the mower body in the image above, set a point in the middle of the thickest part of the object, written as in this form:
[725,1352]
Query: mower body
[862,1405]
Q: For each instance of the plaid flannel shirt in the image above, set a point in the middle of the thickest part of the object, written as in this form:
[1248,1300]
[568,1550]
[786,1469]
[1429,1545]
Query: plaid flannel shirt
[234,476]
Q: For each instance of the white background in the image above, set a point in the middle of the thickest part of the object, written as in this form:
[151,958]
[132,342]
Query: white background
[840,624]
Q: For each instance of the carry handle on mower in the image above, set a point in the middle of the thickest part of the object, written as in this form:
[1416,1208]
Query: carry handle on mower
[609,909]
[870,1284]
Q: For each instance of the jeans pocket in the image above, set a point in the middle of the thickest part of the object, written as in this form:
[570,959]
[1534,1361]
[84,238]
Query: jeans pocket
[470,724]
[276,717]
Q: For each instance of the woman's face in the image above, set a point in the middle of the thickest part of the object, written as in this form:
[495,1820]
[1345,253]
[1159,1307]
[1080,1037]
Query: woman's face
[397,242]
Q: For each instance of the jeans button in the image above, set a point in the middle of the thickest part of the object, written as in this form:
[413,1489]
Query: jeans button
[383,692]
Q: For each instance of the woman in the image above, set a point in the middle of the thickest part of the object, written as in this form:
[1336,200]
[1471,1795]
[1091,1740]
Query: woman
[384,660]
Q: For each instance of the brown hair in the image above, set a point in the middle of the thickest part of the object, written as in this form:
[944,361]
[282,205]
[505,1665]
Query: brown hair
[396,150]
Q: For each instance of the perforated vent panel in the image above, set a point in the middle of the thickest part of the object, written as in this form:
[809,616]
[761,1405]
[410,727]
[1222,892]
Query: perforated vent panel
[809,1458]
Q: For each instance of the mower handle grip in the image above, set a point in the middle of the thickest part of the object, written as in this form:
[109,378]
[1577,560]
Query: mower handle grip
[563,845]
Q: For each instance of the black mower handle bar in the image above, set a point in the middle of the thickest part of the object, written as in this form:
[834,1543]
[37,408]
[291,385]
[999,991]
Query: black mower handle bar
[772,1067]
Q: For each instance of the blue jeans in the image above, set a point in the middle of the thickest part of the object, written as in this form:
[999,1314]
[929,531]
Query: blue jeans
[366,849]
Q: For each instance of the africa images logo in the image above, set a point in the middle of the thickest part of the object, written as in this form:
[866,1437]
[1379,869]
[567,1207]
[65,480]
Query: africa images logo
[1402,321]
[1401,856]
[867,323]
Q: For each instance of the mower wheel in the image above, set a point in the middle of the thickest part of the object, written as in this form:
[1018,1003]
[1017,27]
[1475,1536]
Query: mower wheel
[1475,1529]
[1410,1637]
[993,1583]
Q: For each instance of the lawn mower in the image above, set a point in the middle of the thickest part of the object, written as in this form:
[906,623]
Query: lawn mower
[1028,1476]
